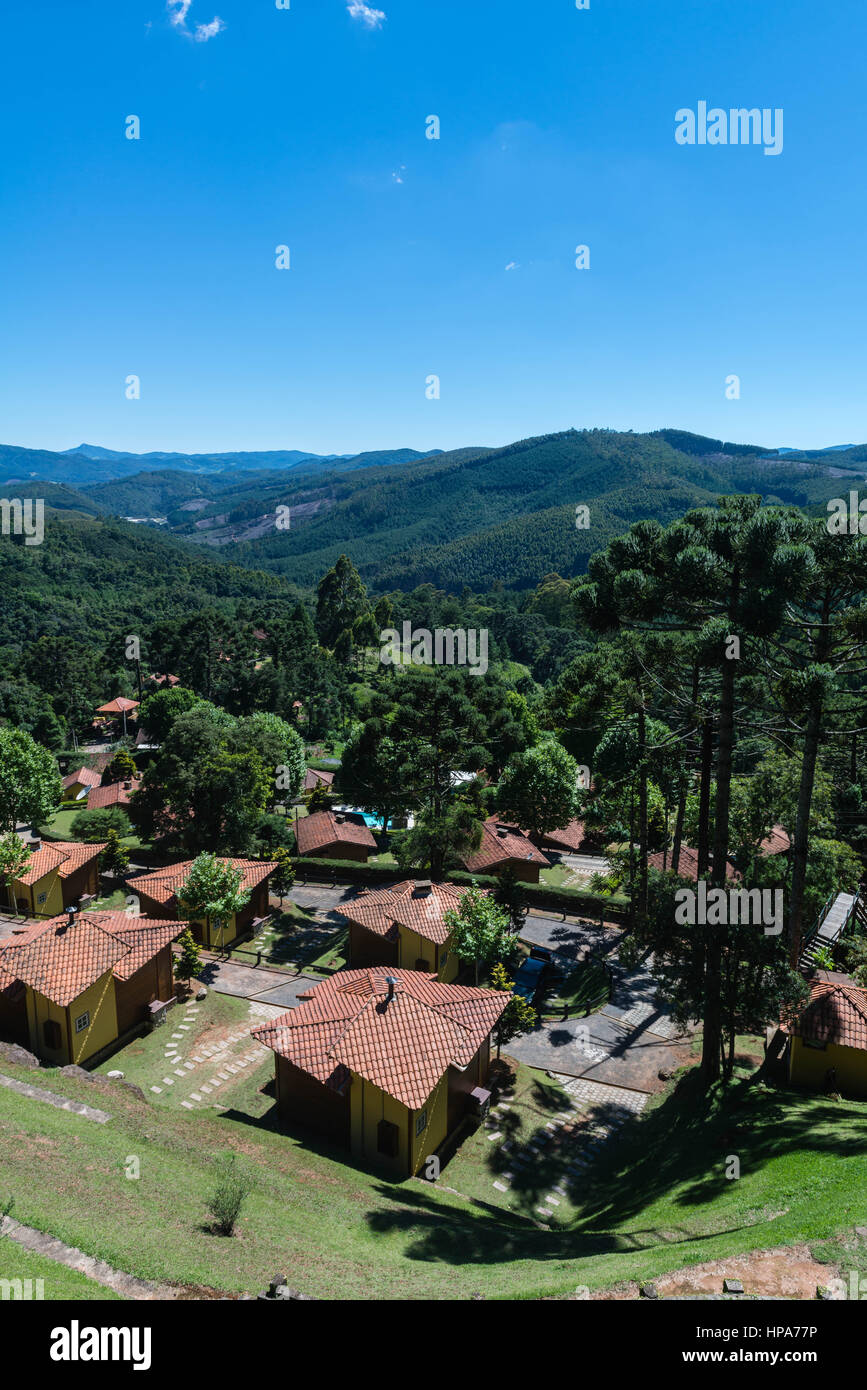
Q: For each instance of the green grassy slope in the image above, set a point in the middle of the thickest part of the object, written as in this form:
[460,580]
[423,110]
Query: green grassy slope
[658,1201]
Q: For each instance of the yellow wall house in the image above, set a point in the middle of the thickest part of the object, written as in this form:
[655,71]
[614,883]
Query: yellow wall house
[828,1042]
[384,1062]
[70,986]
[405,926]
[58,874]
[158,895]
[79,783]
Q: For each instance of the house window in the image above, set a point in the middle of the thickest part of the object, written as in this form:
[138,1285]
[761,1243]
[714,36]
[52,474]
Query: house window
[82,1022]
[387,1139]
[421,1121]
[51,1034]
[42,897]
[443,960]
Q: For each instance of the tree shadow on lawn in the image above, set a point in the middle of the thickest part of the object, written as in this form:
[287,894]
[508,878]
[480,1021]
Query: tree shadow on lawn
[685,1141]
[488,1234]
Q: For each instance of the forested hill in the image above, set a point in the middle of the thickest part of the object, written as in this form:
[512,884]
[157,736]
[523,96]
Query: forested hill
[476,517]
[92,578]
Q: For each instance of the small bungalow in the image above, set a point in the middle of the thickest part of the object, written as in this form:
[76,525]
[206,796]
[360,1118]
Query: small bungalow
[158,895]
[385,1063]
[121,707]
[316,778]
[78,784]
[828,1039]
[58,875]
[687,866]
[778,842]
[113,794]
[505,847]
[404,927]
[571,839]
[75,986]
[332,835]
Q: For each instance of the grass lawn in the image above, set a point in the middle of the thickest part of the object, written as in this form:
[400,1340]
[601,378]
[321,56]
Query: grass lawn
[143,1060]
[59,827]
[297,938]
[59,1282]
[583,991]
[656,1200]
[555,876]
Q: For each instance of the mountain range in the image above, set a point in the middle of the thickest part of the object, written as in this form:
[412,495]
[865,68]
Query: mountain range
[475,516]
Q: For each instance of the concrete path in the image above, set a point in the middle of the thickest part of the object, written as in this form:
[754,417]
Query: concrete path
[24,1088]
[256,982]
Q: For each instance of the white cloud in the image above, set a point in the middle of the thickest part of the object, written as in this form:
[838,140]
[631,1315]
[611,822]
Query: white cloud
[398,173]
[207,31]
[178,11]
[373,19]
[513,265]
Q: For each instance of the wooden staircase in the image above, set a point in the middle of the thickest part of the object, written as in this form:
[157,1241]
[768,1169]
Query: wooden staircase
[836,915]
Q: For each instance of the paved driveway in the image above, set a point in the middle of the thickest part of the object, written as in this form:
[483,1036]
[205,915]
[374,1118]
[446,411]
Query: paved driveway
[625,1043]
[250,982]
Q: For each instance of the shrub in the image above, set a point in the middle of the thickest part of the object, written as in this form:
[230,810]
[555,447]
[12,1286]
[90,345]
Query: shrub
[234,1185]
[95,825]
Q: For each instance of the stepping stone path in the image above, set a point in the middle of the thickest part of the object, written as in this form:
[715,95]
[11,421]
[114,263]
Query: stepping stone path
[226,1058]
[573,1140]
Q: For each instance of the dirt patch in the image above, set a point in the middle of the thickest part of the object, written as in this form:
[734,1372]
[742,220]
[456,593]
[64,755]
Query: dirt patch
[787,1272]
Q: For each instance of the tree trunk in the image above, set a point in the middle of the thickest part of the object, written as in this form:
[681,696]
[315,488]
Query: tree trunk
[642,817]
[710,1060]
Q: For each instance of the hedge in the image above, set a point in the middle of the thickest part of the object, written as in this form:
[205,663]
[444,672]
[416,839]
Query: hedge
[572,900]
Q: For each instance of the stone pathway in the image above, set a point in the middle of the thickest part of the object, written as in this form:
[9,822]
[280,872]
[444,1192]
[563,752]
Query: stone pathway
[24,1088]
[568,1143]
[209,1066]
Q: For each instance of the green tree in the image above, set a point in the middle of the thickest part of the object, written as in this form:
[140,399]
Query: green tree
[30,787]
[283,877]
[115,857]
[212,889]
[480,930]
[341,599]
[98,824]
[159,711]
[188,965]
[538,789]
[14,858]
[122,767]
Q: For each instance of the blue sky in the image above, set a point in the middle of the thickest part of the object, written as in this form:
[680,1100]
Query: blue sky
[306,127]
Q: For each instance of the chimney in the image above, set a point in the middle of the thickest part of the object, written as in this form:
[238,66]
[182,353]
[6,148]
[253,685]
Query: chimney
[70,918]
[35,843]
[339,820]
[501,832]
[421,888]
[391,982]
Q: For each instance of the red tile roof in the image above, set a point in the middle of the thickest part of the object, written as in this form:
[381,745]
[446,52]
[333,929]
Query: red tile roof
[85,776]
[66,856]
[836,1013]
[62,961]
[117,706]
[778,842]
[687,866]
[500,843]
[323,828]
[403,1045]
[381,910]
[314,777]
[115,794]
[570,837]
[162,885]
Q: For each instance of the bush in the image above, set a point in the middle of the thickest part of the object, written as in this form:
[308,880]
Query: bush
[234,1185]
[95,825]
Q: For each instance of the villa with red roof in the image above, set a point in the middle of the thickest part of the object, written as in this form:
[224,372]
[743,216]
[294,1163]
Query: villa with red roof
[158,895]
[74,987]
[687,865]
[113,794]
[386,1063]
[505,847]
[315,777]
[404,926]
[828,1039]
[58,874]
[330,835]
[79,783]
